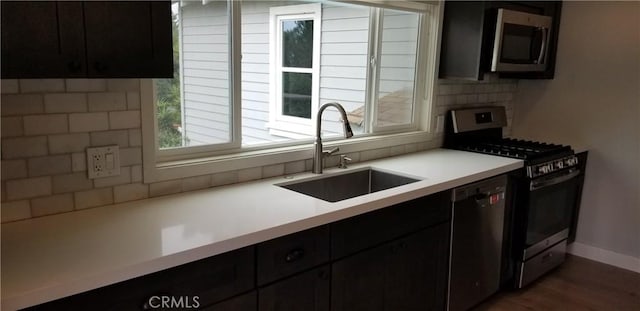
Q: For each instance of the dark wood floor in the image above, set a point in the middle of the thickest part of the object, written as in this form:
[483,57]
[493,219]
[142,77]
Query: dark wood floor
[578,284]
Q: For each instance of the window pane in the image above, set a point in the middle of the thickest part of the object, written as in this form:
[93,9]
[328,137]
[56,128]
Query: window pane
[198,111]
[168,102]
[397,68]
[297,43]
[296,94]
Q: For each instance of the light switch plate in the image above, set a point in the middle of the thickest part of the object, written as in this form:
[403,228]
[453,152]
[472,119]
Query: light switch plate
[103,161]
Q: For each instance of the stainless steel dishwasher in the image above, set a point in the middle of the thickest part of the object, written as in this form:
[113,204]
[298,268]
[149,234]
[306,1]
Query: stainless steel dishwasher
[476,243]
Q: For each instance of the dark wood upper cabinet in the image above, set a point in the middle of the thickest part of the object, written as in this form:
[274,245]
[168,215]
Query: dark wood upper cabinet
[93,39]
[468,37]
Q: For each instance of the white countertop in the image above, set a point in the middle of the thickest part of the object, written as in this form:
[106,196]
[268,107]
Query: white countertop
[48,258]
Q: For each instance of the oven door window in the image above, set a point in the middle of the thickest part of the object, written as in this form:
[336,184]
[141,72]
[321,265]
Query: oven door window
[550,210]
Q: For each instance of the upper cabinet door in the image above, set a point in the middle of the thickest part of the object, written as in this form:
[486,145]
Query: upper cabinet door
[93,39]
[128,39]
[42,39]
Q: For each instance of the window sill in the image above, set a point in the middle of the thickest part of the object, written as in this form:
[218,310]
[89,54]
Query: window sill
[155,172]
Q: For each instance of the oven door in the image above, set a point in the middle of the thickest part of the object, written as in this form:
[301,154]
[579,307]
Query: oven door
[551,202]
[521,42]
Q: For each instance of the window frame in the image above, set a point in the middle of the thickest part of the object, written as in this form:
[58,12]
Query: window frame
[280,124]
[167,164]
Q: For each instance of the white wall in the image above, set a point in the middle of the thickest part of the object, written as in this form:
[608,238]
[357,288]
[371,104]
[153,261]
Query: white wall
[594,101]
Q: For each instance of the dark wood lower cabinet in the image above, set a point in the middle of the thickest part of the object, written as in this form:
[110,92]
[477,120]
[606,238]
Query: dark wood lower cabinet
[406,274]
[308,291]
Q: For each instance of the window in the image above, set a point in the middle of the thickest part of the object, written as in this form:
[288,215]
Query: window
[250,76]
[295,69]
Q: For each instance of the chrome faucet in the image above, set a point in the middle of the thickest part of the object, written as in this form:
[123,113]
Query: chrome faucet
[319,152]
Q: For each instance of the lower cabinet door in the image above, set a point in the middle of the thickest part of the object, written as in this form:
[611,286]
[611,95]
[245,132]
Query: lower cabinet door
[308,291]
[246,302]
[406,274]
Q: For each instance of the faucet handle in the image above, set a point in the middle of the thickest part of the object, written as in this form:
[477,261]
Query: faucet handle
[330,151]
[343,161]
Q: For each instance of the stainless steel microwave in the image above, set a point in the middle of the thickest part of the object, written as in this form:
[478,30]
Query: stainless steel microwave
[521,42]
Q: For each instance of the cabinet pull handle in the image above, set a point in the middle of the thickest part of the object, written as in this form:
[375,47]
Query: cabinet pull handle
[294,255]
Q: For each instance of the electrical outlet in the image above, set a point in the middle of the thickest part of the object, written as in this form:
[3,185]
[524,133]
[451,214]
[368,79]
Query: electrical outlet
[103,161]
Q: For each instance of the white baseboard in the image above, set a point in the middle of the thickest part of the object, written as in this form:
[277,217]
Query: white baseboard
[605,256]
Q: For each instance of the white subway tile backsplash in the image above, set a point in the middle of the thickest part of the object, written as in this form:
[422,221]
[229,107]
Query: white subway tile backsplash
[16,210]
[225,178]
[133,100]
[12,127]
[124,119]
[119,137]
[196,183]
[123,178]
[249,174]
[13,169]
[93,198]
[294,167]
[22,147]
[107,101]
[9,86]
[410,148]
[68,143]
[41,85]
[78,162]
[130,192]
[45,124]
[165,188]
[135,137]
[51,205]
[130,156]
[136,173]
[65,102]
[273,170]
[28,188]
[88,122]
[22,104]
[396,150]
[71,182]
[123,84]
[49,165]
[374,154]
[86,85]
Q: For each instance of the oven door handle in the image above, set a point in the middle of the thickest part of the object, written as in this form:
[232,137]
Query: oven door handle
[536,185]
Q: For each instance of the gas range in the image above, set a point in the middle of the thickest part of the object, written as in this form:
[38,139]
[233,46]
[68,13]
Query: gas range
[480,130]
[540,158]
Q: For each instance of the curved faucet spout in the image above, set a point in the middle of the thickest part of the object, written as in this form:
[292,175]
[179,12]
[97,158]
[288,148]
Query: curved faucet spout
[319,153]
[345,122]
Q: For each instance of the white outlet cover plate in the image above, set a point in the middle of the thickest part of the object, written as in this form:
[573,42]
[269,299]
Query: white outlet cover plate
[103,161]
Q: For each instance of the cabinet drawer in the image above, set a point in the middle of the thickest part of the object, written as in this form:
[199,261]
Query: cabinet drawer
[357,233]
[211,279]
[293,253]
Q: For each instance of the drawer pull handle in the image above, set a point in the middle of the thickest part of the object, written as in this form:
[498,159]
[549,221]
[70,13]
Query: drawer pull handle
[294,255]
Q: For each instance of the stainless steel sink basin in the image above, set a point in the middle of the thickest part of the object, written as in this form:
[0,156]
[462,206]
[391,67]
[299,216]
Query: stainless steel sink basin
[342,186]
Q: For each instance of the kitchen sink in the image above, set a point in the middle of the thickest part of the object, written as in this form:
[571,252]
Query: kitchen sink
[342,186]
